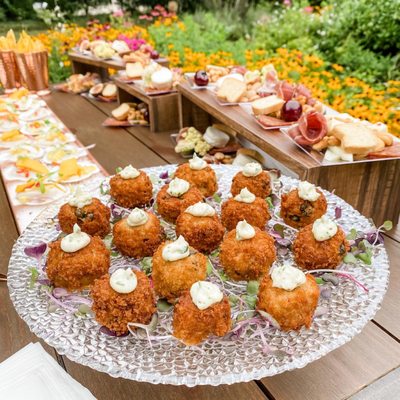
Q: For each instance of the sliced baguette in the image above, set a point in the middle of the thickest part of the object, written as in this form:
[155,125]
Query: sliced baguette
[121,112]
[231,90]
[134,70]
[267,105]
[109,90]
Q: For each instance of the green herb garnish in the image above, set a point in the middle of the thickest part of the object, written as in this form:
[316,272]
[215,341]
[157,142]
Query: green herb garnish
[252,287]
[217,198]
[147,265]
[34,277]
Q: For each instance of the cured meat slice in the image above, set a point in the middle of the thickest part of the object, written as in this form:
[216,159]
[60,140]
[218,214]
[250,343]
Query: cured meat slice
[387,152]
[285,90]
[313,126]
[269,122]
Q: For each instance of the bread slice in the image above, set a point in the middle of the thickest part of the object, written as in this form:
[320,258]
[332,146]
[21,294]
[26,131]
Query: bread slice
[231,90]
[357,139]
[110,90]
[134,70]
[121,113]
[267,105]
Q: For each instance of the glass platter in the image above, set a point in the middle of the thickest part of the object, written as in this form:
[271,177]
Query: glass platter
[260,351]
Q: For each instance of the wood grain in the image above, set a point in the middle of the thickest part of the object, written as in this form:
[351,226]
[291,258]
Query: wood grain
[105,387]
[342,372]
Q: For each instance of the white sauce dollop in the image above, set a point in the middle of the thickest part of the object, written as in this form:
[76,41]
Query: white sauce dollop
[200,210]
[177,187]
[307,191]
[324,228]
[80,198]
[162,77]
[129,172]
[252,169]
[137,217]
[245,196]
[205,294]
[123,280]
[75,241]
[244,231]
[197,163]
[176,250]
[287,277]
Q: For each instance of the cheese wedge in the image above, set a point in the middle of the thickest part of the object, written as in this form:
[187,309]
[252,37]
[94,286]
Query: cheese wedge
[267,105]
[121,112]
[32,165]
[134,70]
[231,90]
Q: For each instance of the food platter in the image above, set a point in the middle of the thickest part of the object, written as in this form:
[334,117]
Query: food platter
[261,350]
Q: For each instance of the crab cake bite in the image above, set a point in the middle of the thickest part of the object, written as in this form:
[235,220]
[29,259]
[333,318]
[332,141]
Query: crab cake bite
[131,188]
[201,227]
[254,179]
[138,235]
[247,253]
[176,266]
[92,216]
[201,312]
[322,244]
[288,298]
[302,206]
[175,197]
[76,260]
[246,206]
[199,174]
[123,297]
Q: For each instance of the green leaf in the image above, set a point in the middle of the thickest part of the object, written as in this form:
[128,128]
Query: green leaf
[147,265]
[252,287]
[233,300]
[223,276]
[215,253]
[118,170]
[387,225]
[42,187]
[34,277]
[349,259]
[352,235]
[365,258]
[320,281]
[163,305]
[250,301]
[114,253]
[84,309]
[269,202]
[217,197]
[280,229]
[209,267]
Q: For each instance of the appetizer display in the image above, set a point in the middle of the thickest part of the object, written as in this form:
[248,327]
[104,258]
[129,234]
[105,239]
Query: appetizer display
[157,79]
[129,114]
[104,92]
[72,170]
[79,83]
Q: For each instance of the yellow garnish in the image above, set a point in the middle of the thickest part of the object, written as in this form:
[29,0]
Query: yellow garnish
[32,165]
[11,136]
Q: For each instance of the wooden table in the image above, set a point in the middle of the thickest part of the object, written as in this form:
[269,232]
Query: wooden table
[82,63]
[366,368]
[373,188]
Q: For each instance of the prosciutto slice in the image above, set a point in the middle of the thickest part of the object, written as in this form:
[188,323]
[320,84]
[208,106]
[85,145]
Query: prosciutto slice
[285,90]
[387,152]
[311,128]
[269,122]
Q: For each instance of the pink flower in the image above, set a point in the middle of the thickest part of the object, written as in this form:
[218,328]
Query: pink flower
[287,3]
[118,13]
[308,9]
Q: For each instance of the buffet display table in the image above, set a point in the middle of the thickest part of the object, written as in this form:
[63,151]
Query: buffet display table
[365,368]
[373,188]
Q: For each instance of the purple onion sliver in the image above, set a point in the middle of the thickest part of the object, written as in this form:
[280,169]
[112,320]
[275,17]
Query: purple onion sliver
[283,242]
[36,251]
[325,292]
[60,292]
[275,199]
[44,282]
[282,251]
[109,332]
[164,175]
[338,212]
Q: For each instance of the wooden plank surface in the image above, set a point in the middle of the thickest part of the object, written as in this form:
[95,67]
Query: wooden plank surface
[342,372]
[384,388]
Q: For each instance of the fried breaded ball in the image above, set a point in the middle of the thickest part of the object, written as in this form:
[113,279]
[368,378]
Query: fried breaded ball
[74,271]
[114,310]
[204,179]
[131,193]
[192,325]
[298,213]
[311,254]
[169,207]
[94,219]
[138,241]
[172,278]
[255,213]
[260,185]
[202,233]
[245,260]
[292,309]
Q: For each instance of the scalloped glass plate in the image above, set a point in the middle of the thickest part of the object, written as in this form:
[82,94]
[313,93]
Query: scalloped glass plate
[217,360]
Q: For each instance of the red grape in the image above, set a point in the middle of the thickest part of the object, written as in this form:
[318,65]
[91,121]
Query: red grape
[154,55]
[291,111]
[201,78]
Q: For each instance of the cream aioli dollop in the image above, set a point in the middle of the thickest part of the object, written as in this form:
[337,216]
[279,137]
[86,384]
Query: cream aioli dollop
[287,277]
[123,280]
[197,163]
[75,241]
[177,187]
[245,196]
[80,198]
[244,231]
[204,294]
[176,250]
[137,217]
[129,172]
[324,228]
[200,210]
[252,169]
[307,191]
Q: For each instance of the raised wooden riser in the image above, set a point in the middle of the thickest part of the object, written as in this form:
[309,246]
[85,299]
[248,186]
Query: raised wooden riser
[163,109]
[373,188]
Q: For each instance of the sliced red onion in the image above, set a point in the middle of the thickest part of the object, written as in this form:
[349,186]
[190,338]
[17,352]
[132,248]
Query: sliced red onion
[36,251]
[374,238]
[338,212]
[270,319]
[164,175]
[109,332]
[325,292]
[58,292]
[44,282]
